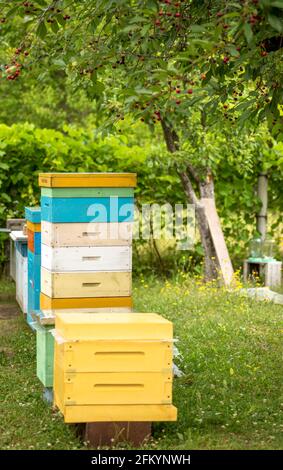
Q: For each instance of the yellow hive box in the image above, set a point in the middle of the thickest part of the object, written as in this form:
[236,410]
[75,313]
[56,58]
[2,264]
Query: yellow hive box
[112,388]
[112,356]
[85,284]
[116,413]
[117,360]
[107,327]
[49,303]
[88,180]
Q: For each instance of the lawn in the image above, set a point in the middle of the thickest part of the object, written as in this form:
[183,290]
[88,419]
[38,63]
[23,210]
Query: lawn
[230,396]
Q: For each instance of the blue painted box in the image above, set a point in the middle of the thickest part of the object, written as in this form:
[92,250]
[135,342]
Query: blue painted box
[22,247]
[95,209]
[33,214]
[34,262]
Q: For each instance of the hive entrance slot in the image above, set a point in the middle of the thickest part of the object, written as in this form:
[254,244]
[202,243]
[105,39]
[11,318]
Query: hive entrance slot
[119,353]
[87,234]
[91,284]
[119,386]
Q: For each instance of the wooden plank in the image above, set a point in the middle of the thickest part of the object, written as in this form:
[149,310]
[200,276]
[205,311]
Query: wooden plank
[222,254]
[93,209]
[87,192]
[106,258]
[85,284]
[98,180]
[87,234]
[113,413]
[49,303]
[15,224]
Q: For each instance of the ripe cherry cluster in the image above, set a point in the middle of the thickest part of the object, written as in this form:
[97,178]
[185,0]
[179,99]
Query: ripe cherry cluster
[13,71]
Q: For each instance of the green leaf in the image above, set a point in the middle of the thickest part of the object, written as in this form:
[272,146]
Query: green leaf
[277,4]
[55,27]
[248,32]
[275,22]
[41,30]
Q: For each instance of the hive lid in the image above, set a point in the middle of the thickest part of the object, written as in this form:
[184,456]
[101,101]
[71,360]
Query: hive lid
[113,326]
[33,214]
[79,180]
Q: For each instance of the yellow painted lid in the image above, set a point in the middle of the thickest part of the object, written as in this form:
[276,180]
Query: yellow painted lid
[113,326]
[79,180]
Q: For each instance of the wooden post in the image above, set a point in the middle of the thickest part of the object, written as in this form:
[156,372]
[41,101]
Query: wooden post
[110,433]
[219,243]
[262,192]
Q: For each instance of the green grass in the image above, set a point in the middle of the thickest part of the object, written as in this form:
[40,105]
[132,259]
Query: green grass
[230,396]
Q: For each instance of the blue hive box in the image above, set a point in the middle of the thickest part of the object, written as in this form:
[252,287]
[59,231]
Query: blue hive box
[95,209]
[33,214]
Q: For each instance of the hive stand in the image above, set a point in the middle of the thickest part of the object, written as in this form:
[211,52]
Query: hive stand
[109,434]
[270,270]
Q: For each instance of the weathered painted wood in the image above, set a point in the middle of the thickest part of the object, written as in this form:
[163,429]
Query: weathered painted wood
[34,262]
[34,241]
[47,317]
[33,214]
[85,284]
[106,258]
[44,355]
[13,260]
[97,180]
[218,241]
[49,303]
[33,227]
[22,247]
[87,234]
[69,210]
[21,280]
[87,192]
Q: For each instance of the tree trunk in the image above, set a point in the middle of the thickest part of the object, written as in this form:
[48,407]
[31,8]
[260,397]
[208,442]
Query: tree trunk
[262,192]
[206,190]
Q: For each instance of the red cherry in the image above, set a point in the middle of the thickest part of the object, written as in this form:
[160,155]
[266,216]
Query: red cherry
[178,15]
[190,91]
[26,53]
[226,60]
[178,90]
[178,102]
[158,23]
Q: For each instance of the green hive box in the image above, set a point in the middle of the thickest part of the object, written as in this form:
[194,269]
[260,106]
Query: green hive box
[44,355]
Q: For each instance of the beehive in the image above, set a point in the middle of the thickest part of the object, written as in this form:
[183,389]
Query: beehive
[21,275]
[87,225]
[33,217]
[113,367]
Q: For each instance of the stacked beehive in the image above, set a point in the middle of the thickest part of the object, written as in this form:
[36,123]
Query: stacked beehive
[21,267]
[113,367]
[33,217]
[87,221]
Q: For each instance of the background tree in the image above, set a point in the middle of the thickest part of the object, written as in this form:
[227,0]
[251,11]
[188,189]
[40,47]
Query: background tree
[158,62]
